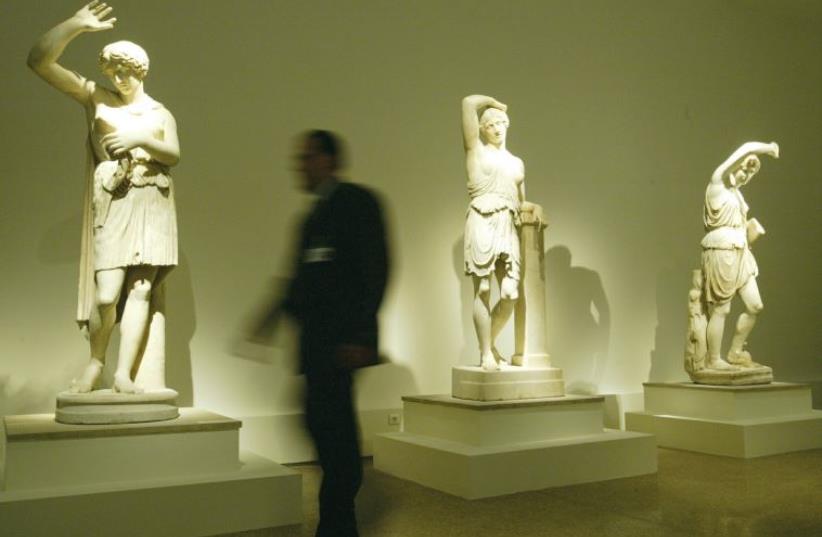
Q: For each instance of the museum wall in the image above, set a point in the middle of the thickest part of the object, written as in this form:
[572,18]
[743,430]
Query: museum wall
[620,111]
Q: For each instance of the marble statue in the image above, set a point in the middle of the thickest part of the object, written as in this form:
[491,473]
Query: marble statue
[728,269]
[497,190]
[129,241]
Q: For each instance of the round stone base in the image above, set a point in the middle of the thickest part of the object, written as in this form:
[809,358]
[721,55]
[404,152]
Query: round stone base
[109,407]
[510,383]
[743,376]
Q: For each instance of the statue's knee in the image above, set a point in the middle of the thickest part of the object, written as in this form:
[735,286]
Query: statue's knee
[721,310]
[141,290]
[756,308]
[106,298]
[484,288]
[509,290]
[509,295]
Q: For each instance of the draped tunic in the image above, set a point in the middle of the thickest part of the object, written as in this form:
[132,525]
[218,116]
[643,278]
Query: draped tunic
[129,215]
[493,215]
[727,261]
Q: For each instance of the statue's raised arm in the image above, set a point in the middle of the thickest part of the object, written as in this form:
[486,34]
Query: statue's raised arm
[745,150]
[472,107]
[47,50]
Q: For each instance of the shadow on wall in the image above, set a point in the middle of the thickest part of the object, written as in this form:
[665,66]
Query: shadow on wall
[579,321]
[180,326]
[667,356]
[61,242]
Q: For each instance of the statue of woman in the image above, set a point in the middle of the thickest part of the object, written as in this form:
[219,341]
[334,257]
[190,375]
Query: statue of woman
[728,266]
[130,226]
[496,186]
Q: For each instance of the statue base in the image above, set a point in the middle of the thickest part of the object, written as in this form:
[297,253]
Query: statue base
[733,421]
[478,449]
[101,407]
[739,376]
[510,383]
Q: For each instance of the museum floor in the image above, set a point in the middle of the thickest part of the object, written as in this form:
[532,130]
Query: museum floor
[691,495]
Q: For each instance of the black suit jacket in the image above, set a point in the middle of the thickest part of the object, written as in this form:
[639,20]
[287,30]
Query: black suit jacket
[340,276]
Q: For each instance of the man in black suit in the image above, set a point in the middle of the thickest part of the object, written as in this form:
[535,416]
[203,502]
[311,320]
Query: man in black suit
[341,268]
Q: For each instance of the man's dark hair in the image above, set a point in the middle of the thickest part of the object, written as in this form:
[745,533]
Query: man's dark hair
[328,143]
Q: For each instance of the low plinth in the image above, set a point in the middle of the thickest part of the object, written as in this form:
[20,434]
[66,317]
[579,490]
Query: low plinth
[510,383]
[743,376]
[478,449]
[102,407]
[736,421]
[183,477]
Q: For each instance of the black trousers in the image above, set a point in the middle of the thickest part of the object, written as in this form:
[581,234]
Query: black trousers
[333,426]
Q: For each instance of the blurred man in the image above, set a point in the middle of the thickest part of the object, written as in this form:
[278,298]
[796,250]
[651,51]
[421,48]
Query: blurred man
[340,273]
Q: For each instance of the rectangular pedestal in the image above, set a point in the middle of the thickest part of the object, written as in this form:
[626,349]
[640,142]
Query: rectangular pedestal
[743,421]
[181,478]
[259,494]
[41,453]
[478,449]
[479,472]
[479,423]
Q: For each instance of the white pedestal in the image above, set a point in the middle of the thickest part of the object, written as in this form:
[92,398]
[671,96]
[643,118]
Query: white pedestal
[180,478]
[735,421]
[476,449]
[509,383]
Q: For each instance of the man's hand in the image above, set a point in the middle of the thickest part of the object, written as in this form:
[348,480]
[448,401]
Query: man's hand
[351,356]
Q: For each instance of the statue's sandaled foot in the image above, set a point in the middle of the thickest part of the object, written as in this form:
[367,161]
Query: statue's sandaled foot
[90,375]
[489,363]
[742,358]
[123,384]
[719,364]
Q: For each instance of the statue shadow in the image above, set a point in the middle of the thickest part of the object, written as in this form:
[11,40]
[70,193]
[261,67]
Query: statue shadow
[61,242]
[181,323]
[667,356]
[579,321]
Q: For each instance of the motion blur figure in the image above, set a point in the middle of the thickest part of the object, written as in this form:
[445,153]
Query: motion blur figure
[338,282]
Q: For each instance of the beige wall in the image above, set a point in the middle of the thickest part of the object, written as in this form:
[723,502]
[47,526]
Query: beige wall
[620,110]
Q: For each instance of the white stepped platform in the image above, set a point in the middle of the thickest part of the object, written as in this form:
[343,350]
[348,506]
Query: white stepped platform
[478,449]
[735,421]
[177,478]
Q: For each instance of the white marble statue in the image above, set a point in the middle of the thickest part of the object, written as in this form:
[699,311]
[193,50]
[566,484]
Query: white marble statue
[497,190]
[129,223]
[728,269]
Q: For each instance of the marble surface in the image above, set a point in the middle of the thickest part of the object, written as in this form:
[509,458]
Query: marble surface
[506,384]
[494,405]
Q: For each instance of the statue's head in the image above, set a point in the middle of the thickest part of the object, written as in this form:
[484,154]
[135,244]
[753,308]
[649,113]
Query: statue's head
[125,64]
[494,126]
[745,170]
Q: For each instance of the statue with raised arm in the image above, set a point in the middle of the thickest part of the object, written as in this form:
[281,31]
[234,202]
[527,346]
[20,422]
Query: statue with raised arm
[497,190]
[129,239]
[728,269]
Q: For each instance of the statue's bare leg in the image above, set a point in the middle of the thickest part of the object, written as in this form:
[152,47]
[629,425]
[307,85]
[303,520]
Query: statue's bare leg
[716,327]
[133,325]
[508,290]
[150,367]
[108,284]
[482,321]
[749,293]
